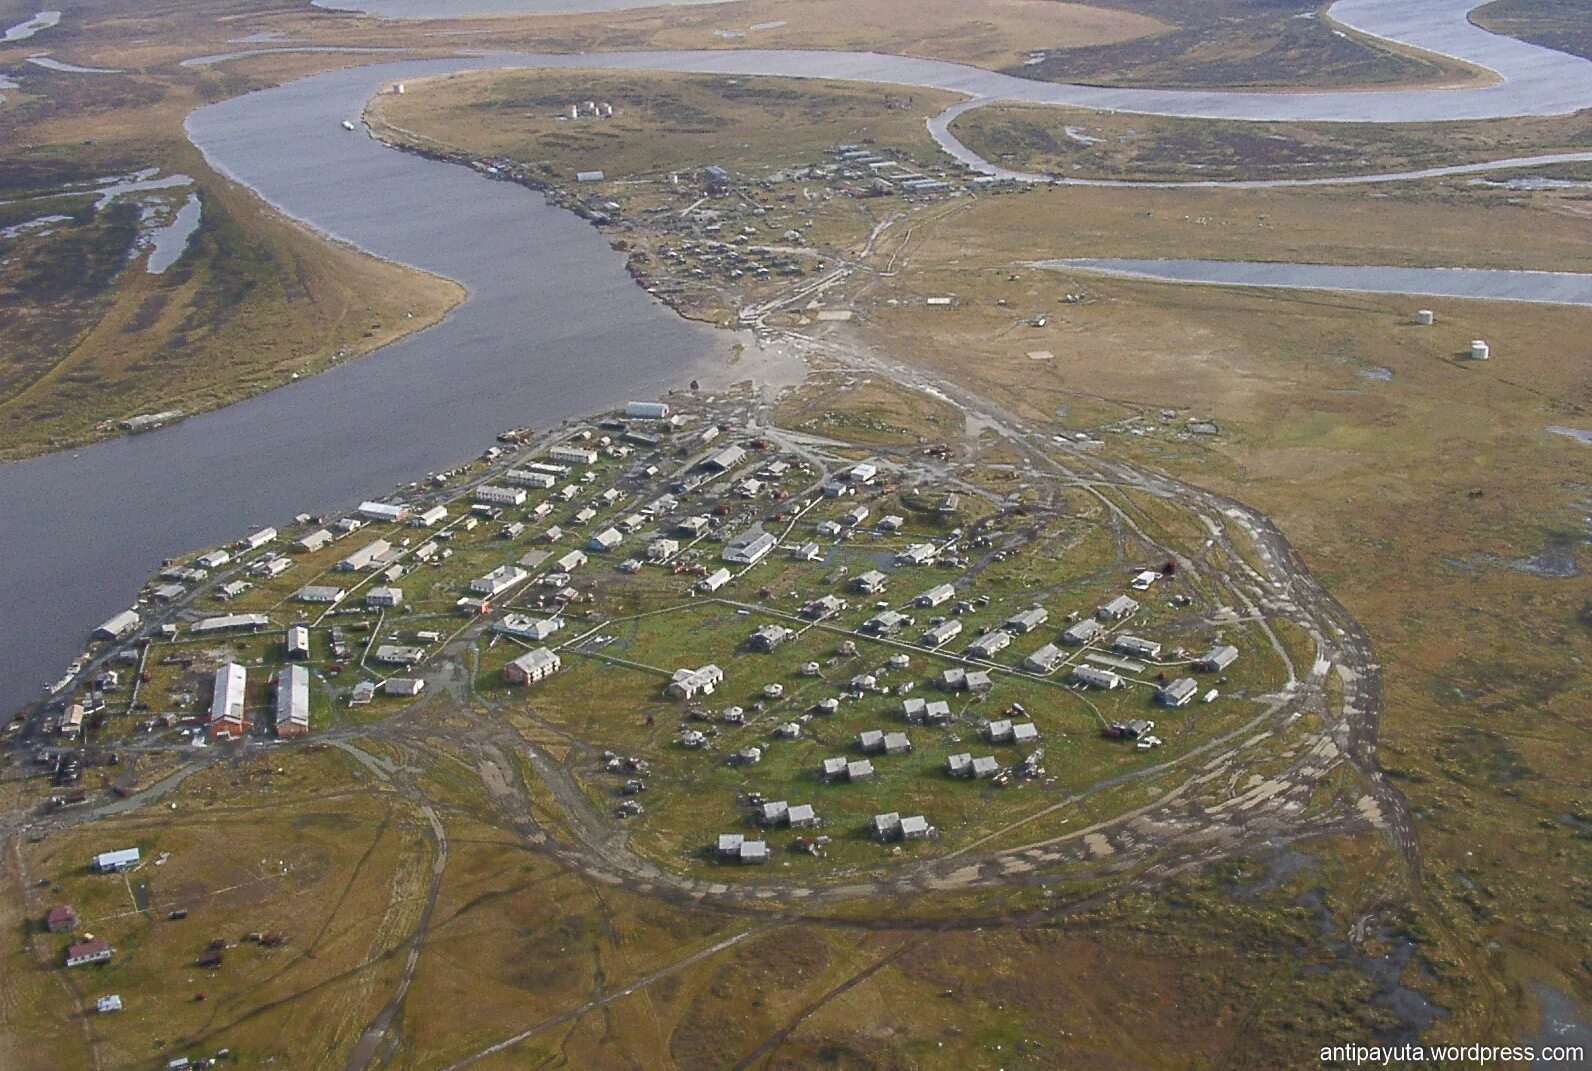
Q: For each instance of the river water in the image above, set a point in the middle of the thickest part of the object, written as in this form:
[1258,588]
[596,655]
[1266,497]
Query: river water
[553,326]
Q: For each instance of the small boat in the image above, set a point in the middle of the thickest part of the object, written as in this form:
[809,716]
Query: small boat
[348,124]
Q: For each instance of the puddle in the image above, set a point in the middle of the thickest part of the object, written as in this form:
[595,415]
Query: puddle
[1562,1024]
[168,242]
[1378,373]
[223,57]
[1578,434]
[41,224]
[24,30]
[69,68]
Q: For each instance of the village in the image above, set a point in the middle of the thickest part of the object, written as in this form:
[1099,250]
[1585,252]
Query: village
[771,644]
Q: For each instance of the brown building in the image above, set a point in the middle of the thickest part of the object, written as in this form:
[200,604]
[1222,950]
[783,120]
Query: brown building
[60,918]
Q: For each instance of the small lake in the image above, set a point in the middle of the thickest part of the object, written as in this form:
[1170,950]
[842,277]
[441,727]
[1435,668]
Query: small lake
[1546,287]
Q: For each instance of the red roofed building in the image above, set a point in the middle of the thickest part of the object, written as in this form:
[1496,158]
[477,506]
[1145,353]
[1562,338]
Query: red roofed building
[60,918]
[83,953]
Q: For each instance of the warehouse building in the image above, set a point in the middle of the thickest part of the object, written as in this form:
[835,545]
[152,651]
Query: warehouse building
[226,704]
[1094,677]
[1178,692]
[293,702]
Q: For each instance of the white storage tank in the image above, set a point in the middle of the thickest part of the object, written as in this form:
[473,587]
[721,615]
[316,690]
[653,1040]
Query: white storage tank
[1425,318]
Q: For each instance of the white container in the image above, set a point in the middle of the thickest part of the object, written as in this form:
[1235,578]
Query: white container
[1425,318]
[1479,350]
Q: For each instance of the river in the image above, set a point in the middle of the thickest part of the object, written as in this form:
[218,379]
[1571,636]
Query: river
[553,326]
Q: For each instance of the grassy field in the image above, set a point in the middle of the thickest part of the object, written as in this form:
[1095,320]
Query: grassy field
[1080,143]
[662,122]
[1559,24]
[1247,43]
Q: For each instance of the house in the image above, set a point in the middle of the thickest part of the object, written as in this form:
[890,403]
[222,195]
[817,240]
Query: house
[1093,677]
[572,455]
[915,827]
[807,552]
[1136,646]
[408,687]
[83,953]
[832,769]
[313,541]
[999,732]
[607,539]
[383,512]
[1026,621]
[661,550]
[871,741]
[646,410]
[1177,692]
[896,744]
[952,680]
[768,637]
[1218,658]
[229,622]
[214,559]
[364,557]
[926,712]
[689,683]
[989,645]
[750,547]
[886,623]
[256,540]
[1025,733]
[1143,581]
[292,702]
[117,861]
[532,666]
[362,694]
[319,593]
[714,580]
[918,554]
[724,460]
[870,583]
[752,851]
[1044,660]
[854,516]
[965,765]
[775,813]
[384,596]
[571,561]
[492,495]
[106,1005]
[123,624]
[226,704]
[694,526]
[936,595]
[393,654]
[553,534]
[943,633]
[801,816]
[824,607]
[584,515]
[859,770]
[498,580]
[543,481]
[886,826]
[60,918]
[789,730]
[863,472]
[430,518]
[1083,632]
[1118,608]
[977,680]
[528,628]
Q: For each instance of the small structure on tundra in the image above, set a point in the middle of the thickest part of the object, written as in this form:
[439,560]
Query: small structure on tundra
[690,683]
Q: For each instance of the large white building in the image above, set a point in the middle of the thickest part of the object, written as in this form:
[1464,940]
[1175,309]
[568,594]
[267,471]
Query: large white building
[293,701]
[226,706]
[532,666]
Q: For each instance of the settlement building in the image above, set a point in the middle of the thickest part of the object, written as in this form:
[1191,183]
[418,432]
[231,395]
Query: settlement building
[226,706]
[532,666]
[293,702]
[690,683]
